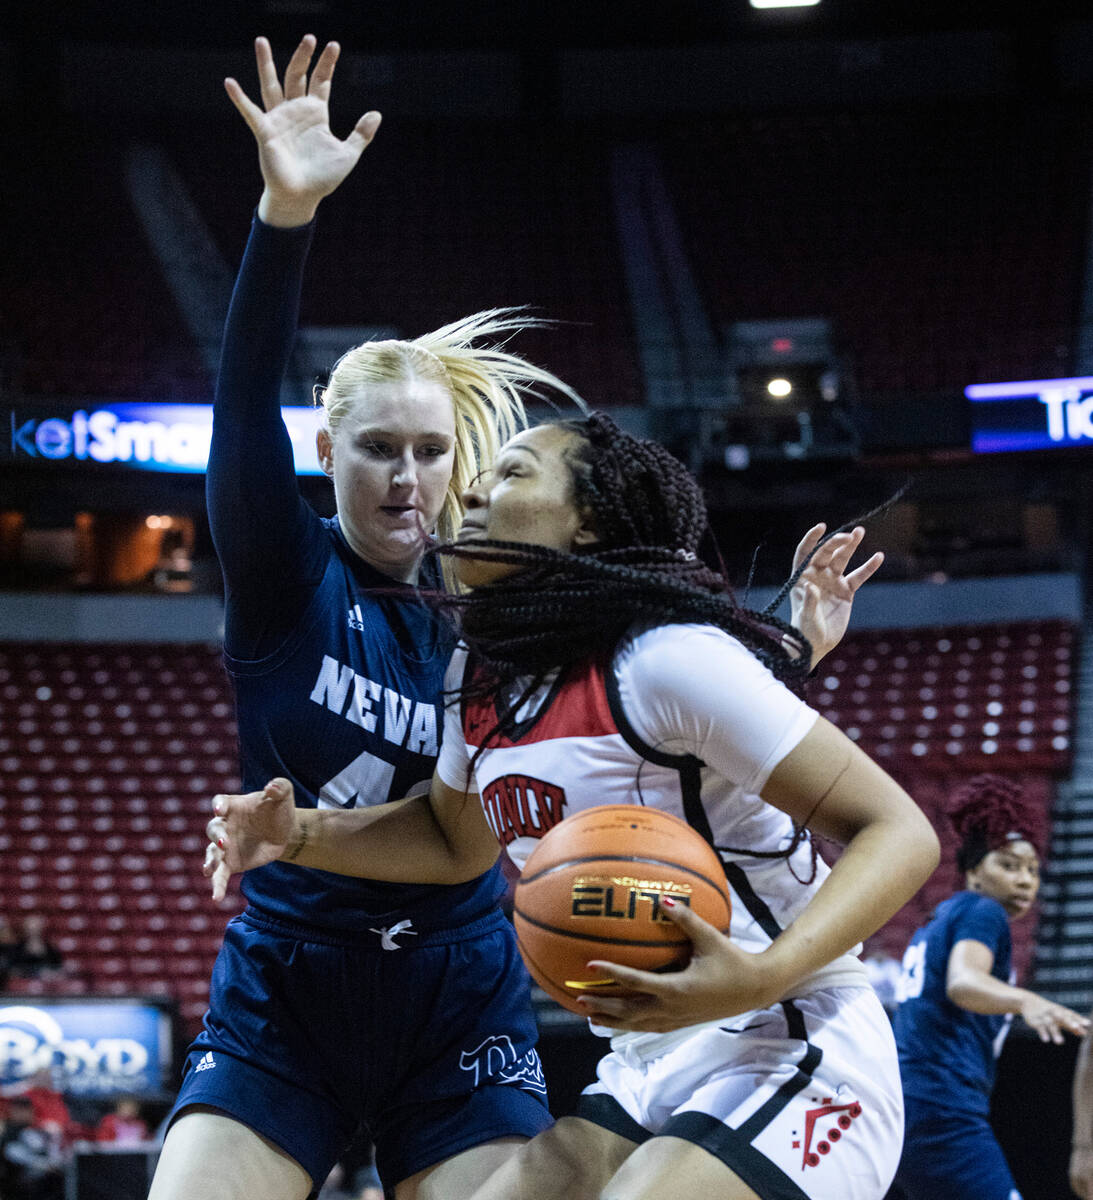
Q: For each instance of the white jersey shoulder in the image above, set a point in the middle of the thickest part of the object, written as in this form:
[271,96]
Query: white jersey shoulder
[684,718]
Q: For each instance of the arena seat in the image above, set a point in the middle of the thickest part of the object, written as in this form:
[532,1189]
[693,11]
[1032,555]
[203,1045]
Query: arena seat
[103,832]
[994,697]
[102,820]
[936,705]
[888,223]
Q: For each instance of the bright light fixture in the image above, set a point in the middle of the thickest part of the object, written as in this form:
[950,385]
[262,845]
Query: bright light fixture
[779,388]
[783,3]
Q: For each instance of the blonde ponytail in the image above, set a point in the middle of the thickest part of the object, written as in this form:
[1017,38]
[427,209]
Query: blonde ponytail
[487,383]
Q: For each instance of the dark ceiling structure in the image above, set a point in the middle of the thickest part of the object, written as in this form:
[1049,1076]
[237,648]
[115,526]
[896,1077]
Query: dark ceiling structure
[527,24]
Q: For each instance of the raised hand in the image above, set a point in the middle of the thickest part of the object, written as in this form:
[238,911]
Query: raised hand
[301,160]
[248,831]
[721,980]
[822,598]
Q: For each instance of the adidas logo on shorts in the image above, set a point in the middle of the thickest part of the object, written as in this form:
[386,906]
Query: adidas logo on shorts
[207,1062]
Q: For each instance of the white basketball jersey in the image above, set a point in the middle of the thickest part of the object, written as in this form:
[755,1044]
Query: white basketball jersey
[684,719]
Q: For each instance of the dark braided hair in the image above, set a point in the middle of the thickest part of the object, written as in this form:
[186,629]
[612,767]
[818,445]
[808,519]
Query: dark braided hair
[564,608]
[989,811]
[649,516]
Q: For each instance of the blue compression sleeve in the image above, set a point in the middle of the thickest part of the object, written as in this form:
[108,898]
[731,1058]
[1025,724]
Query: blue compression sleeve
[271,544]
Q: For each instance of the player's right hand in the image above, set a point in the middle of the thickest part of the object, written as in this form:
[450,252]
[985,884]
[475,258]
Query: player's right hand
[248,831]
[301,160]
[1050,1020]
[822,598]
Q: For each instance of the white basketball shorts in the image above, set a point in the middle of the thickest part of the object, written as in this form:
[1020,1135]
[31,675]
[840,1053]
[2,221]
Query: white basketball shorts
[800,1100]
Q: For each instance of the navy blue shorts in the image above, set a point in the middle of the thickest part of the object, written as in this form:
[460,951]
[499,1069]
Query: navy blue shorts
[951,1156]
[430,1046]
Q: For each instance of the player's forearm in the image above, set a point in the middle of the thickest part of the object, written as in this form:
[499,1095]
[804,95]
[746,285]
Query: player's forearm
[1083,1096]
[400,842]
[251,482]
[284,210]
[882,867]
[980,992]
[827,784]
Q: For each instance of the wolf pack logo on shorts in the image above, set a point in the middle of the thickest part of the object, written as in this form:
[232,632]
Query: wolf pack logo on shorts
[827,1122]
[495,1061]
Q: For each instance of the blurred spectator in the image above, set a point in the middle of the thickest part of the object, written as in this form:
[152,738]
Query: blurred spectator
[884,972]
[50,1111]
[31,1165]
[9,947]
[124,1126]
[34,954]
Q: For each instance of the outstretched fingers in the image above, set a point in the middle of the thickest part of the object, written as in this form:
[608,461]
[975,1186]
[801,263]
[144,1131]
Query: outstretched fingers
[807,544]
[296,71]
[840,548]
[323,74]
[706,937]
[248,110]
[216,870]
[1067,1020]
[651,1000]
[1051,1021]
[866,571]
[835,555]
[363,132]
[268,83]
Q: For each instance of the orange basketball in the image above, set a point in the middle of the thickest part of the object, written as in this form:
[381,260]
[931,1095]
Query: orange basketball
[592,889]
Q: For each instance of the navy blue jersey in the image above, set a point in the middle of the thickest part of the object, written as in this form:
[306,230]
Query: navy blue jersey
[947,1055]
[338,669]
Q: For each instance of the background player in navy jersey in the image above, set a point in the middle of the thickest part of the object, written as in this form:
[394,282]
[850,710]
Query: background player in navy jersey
[609,664]
[337,1002]
[957,999]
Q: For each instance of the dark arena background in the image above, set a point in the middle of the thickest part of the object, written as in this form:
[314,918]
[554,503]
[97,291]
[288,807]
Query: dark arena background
[793,244]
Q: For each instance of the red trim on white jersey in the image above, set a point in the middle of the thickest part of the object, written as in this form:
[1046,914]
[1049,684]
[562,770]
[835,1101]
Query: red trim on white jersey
[578,709]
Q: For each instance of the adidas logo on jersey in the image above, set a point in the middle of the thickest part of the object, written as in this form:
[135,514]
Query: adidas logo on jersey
[356,617]
[207,1062]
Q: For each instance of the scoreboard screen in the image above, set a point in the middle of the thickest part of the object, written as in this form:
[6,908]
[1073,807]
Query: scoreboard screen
[1034,414]
[138,435]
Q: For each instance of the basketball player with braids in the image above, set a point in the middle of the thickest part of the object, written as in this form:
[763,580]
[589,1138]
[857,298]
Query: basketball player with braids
[338,1001]
[957,999]
[601,663]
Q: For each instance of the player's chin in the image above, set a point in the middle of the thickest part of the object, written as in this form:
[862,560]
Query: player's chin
[480,572]
[401,549]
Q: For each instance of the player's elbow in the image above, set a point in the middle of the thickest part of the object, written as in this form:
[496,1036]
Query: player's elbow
[910,837]
[923,844]
[461,866]
[961,992]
